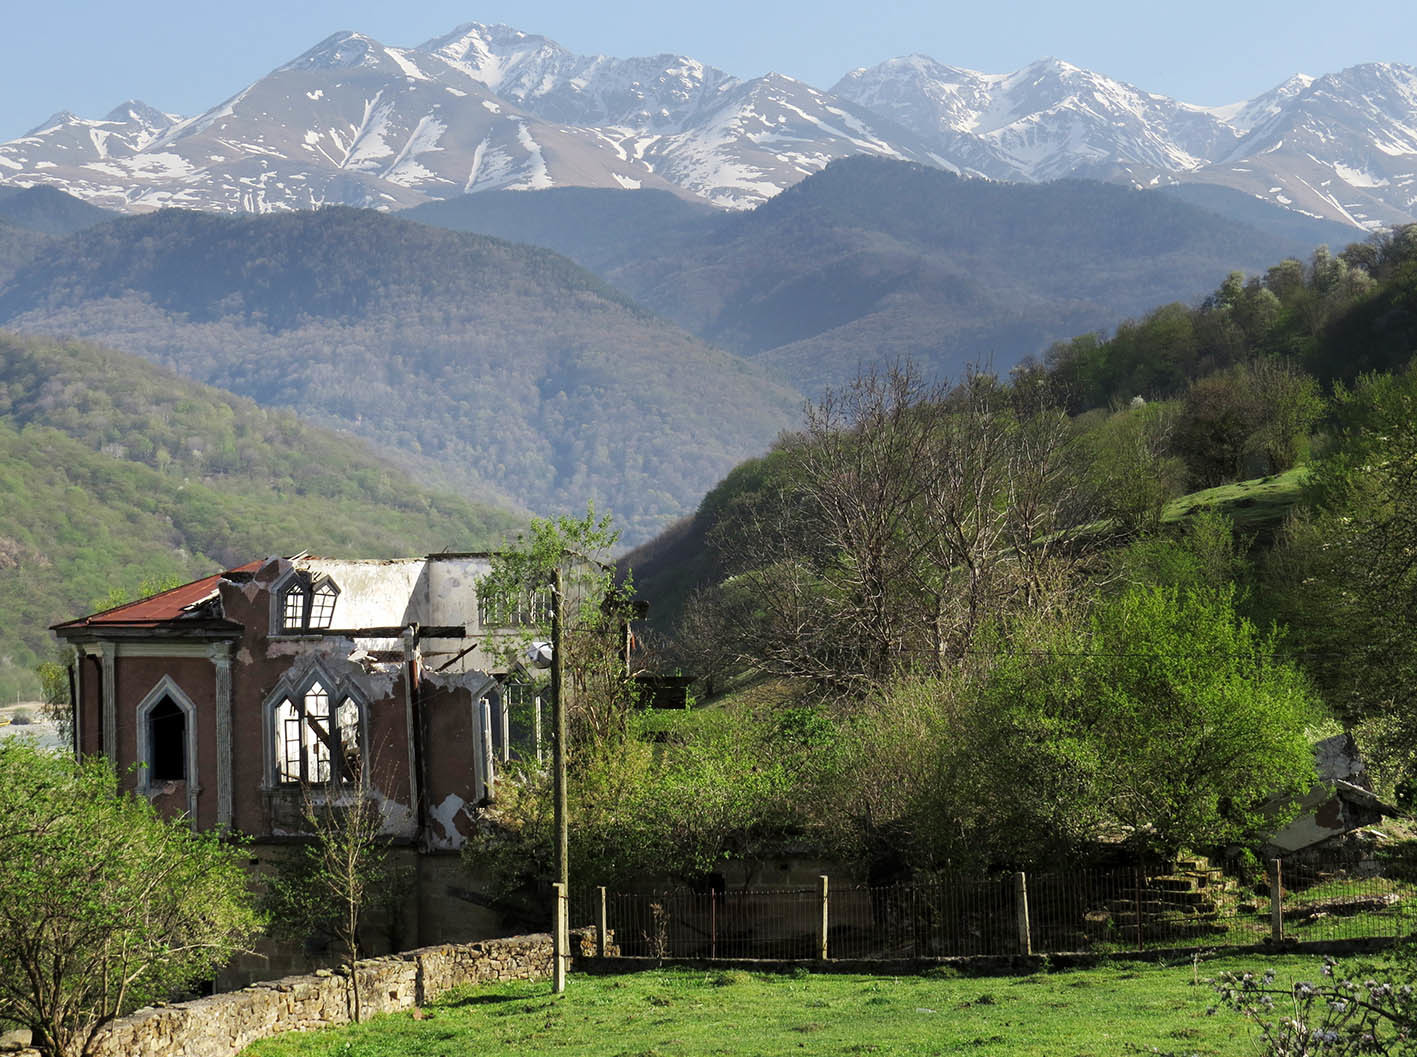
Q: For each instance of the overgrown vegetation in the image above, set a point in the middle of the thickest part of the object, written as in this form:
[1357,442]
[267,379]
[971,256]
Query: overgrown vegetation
[1031,607]
[104,907]
[341,871]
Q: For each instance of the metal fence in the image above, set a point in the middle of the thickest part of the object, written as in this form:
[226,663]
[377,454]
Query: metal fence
[1189,904]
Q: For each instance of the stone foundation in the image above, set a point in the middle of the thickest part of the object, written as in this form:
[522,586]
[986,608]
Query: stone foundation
[225,1024]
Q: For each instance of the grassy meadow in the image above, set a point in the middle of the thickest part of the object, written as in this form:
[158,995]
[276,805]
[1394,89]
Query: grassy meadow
[1116,1008]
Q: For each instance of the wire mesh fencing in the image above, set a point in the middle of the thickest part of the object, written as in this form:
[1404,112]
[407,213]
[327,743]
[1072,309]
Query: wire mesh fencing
[762,923]
[1184,904]
[1344,900]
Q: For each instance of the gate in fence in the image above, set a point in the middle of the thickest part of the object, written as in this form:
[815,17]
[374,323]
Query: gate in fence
[1188,904]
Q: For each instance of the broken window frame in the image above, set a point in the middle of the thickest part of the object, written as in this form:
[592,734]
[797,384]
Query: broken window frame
[531,609]
[317,735]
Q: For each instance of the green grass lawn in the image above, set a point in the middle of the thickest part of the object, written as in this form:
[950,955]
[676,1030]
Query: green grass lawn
[1114,1009]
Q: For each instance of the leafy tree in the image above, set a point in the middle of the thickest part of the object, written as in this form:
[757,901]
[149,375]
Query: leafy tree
[1343,577]
[1132,472]
[1251,419]
[595,608]
[1184,708]
[104,906]
[1161,716]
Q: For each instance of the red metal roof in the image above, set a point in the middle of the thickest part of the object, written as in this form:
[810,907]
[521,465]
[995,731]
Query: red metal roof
[161,608]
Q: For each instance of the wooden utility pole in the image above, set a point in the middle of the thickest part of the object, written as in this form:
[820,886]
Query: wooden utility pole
[558,767]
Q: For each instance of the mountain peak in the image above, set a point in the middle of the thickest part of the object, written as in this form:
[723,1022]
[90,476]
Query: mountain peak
[489,52]
[139,113]
[53,121]
[489,105]
[345,49]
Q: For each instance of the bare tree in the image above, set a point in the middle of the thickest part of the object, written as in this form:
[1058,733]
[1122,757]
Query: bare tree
[345,865]
[912,514]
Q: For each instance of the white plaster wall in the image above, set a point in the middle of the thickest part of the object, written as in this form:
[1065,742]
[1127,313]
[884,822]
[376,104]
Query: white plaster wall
[452,590]
[372,594]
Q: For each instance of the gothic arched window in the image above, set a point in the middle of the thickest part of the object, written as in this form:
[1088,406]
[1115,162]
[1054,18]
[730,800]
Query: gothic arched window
[317,736]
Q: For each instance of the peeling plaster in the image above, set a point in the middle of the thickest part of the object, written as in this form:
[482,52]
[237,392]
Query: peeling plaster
[398,819]
[344,660]
[445,815]
[476,682]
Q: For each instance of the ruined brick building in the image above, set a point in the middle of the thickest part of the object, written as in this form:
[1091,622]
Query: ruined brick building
[225,698]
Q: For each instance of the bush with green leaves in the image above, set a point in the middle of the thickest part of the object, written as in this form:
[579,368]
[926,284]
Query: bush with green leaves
[104,906]
[638,812]
[1160,716]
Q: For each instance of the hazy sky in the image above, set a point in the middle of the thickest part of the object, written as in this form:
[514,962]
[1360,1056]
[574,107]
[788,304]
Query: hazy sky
[186,56]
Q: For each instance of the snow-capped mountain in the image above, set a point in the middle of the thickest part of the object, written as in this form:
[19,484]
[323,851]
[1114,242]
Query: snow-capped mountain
[355,121]
[1047,120]
[1343,146]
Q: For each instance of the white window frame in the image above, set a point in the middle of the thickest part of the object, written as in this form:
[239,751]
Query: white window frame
[308,585]
[167,688]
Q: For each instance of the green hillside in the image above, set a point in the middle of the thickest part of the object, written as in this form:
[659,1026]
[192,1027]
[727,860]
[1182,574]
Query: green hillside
[114,472]
[482,364]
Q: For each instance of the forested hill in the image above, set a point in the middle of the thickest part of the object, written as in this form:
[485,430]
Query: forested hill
[18,246]
[1333,315]
[599,228]
[115,472]
[870,260]
[1225,388]
[503,367]
[48,210]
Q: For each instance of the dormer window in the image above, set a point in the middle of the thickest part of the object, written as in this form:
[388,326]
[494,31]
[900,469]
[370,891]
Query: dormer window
[294,609]
[322,604]
[306,603]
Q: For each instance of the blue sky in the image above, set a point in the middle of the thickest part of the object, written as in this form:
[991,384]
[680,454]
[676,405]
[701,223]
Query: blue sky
[186,56]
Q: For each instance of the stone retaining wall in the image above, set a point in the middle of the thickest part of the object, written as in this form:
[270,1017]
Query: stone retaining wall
[225,1024]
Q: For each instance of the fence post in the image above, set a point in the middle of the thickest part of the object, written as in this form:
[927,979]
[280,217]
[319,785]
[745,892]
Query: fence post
[822,924]
[1137,894]
[1276,902]
[560,939]
[1025,940]
[504,718]
[713,923]
[600,940]
[536,727]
